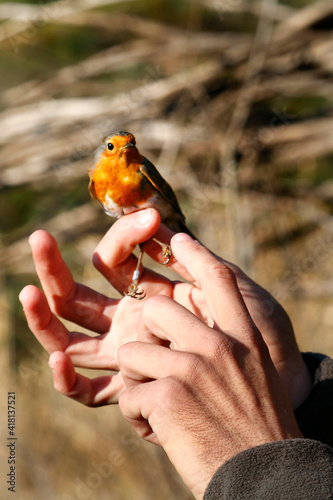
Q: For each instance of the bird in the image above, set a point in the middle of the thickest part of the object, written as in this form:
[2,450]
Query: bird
[123,181]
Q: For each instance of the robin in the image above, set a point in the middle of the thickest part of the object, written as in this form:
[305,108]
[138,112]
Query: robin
[124,181]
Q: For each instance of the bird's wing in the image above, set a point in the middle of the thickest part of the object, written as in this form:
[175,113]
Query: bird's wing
[155,178]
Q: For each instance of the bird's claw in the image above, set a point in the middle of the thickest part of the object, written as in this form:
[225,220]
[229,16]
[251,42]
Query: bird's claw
[167,254]
[134,292]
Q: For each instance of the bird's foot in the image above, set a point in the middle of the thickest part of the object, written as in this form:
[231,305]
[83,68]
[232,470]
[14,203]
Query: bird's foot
[167,254]
[166,251]
[134,291]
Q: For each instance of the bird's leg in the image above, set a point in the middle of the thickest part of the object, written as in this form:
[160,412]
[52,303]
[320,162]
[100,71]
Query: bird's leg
[166,251]
[133,290]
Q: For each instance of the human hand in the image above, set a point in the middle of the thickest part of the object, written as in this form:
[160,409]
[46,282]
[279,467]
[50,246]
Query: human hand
[215,392]
[116,320]
[278,334]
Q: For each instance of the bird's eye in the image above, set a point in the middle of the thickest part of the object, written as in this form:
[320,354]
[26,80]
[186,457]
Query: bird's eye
[110,146]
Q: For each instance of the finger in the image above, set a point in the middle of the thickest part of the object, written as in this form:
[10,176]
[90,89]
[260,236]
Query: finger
[71,301]
[136,405]
[169,323]
[54,336]
[164,234]
[90,392]
[46,327]
[113,256]
[218,284]
[132,361]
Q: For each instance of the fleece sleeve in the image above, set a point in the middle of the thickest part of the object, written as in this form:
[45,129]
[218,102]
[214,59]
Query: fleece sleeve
[295,469]
[315,415]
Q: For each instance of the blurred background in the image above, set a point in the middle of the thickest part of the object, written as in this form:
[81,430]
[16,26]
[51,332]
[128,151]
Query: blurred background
[232,100]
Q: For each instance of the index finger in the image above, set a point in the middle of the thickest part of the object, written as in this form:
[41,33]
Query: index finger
[218,284]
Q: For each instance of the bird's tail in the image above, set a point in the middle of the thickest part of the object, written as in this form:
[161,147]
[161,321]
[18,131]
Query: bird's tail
[179,226]
[185,229]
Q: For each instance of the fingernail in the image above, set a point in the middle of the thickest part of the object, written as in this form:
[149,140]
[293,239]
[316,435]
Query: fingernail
[52,364]
[22,294]
[53,361]
[145,216]
[182,237]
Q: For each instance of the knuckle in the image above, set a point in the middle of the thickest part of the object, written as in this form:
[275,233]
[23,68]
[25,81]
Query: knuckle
[220,348]
[173,393]
[221,272]
[192,365]
[192,369]
[169,387]
[178,395]
[124,402]
[124,354]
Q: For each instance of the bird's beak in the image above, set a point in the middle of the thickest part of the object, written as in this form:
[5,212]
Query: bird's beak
[128,145]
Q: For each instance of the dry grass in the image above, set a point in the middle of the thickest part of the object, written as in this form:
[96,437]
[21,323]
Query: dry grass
[233,102]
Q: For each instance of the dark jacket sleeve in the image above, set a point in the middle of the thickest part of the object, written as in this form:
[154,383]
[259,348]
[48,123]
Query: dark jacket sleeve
[295,469]
[315,416]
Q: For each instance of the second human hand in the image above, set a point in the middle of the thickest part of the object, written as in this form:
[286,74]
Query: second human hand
[114,320]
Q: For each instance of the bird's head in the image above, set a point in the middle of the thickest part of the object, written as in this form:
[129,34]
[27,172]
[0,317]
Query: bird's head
[116,145]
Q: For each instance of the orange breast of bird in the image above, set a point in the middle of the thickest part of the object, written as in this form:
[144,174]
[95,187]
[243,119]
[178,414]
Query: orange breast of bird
[119,185]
